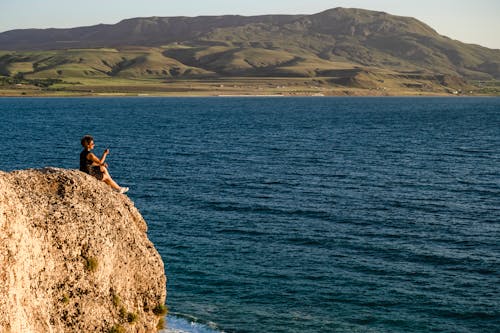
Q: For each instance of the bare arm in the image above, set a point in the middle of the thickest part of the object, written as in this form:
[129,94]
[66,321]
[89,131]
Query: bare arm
[97,161]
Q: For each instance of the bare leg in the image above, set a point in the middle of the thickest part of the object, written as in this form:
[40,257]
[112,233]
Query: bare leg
[108,180]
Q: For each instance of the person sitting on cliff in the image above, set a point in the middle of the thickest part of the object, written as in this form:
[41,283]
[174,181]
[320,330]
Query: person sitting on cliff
[89,163]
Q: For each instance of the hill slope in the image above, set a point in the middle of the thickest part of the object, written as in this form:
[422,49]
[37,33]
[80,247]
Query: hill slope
[320,45]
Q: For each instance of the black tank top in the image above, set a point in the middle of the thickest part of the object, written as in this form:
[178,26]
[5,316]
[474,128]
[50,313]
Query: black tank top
[84,161]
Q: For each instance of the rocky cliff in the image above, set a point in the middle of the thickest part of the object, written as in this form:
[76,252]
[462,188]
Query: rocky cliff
[75,257]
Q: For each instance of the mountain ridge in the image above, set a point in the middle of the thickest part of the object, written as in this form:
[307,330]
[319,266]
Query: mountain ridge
[226,46]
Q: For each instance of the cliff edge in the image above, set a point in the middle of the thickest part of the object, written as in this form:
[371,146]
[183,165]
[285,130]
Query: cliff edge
[75,257]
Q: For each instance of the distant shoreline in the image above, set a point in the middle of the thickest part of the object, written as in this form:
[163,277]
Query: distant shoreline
[246,96]
[240,96]
[333,93]
[223,87]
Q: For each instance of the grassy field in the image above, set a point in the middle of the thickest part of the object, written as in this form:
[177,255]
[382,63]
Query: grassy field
[182,70]
[244,86]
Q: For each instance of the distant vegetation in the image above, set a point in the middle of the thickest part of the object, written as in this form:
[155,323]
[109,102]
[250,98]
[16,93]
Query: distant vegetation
[336,49]
[19,79]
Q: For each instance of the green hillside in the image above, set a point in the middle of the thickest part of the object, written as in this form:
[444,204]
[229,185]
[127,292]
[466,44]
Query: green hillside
[338,48]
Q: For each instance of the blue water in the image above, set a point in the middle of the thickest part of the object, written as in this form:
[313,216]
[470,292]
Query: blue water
[298,214]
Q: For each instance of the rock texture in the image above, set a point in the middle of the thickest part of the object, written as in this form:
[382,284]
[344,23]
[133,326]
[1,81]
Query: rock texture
[74,257]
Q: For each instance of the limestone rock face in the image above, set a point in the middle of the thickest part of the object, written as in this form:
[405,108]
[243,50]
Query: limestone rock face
[74,257]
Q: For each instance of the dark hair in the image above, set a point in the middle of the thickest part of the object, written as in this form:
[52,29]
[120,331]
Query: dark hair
[86,140]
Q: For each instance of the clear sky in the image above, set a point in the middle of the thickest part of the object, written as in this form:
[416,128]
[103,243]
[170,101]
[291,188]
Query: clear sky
[470,21]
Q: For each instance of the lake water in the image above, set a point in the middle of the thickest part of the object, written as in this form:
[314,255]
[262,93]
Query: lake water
[298,214]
